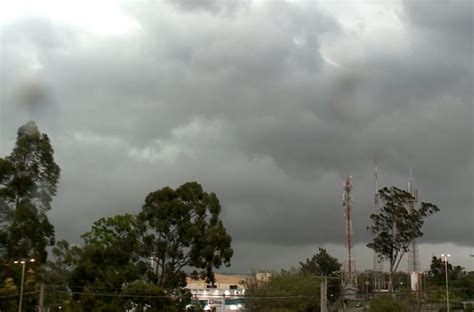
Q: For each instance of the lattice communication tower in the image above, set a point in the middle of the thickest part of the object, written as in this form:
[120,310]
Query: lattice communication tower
[349,276]
[379,277]
[413,256]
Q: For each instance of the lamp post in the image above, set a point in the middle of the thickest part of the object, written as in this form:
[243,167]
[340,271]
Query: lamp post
[445,258]
[366,290]
[23,263]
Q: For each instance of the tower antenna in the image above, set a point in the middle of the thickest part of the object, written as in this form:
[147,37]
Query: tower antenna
[349,276]
[377,267]
[413,255]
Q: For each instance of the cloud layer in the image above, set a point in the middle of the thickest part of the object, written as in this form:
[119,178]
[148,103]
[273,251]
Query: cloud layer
[267,104]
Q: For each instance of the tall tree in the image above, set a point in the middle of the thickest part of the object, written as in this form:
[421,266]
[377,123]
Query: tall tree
[109,260]
[183,230]
[321,264]
[28,182]
[111,255]
[395,226]
[438,270]
[56,272]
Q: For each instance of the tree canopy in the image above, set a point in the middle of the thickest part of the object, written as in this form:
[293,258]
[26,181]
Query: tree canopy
[396,225]
[459,279]
[109,262]
[437,270]
[182,229]
[284,291]
[110,257]
[152,252]
[321,264]
[28,182]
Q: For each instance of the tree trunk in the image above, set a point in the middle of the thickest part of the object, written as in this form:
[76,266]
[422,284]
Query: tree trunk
[390,278]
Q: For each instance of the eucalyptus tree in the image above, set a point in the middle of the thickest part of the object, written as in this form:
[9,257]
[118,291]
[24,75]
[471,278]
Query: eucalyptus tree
[183,231]
[28,181]
[395,226]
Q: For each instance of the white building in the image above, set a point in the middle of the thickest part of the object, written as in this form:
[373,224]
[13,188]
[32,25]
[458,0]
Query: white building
[225,295]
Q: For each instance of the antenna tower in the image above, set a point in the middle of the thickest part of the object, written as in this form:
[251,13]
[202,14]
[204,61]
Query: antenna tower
[413,256]
[349,276]
[379,278]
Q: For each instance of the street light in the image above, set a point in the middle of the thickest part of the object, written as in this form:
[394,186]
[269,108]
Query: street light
[445,257]
[23,262]
[366,290]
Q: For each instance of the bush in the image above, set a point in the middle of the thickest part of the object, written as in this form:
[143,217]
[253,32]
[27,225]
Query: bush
[387,304]
[286,291]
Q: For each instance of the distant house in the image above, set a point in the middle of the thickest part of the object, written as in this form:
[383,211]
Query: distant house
[227,292]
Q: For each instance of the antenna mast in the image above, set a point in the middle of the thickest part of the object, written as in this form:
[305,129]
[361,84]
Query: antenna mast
[349,276]
[413,257]
[379,278]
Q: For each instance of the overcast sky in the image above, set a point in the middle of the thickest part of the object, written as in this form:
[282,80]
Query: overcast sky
[269,104]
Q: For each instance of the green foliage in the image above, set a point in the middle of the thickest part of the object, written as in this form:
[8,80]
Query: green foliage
[388,304]
[437,271]
[140,294]
[437,294]
[57,270]
[177,228]
[458,278]
[7,289]
[396,225]
[56,273]
[469,307]
[110,259]
[28,181]
[321,264]
[183,229]
[466,284]
[287,291]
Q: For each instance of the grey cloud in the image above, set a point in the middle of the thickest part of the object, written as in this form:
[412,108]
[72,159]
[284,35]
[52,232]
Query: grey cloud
[450,23]
[211,6]
[275,257]
[246,104]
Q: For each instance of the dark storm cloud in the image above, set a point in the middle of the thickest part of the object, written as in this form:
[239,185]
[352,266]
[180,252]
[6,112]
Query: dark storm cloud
[259,104]
[448,22]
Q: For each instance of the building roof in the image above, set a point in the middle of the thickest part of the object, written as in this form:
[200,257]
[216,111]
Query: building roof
[221,279]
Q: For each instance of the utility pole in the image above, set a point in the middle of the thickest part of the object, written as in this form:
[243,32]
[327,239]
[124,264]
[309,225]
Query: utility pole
[23,264]
[22,282]
[324,294]
[445,258]
[41,299]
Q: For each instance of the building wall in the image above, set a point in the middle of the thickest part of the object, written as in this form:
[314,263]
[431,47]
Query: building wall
[222,294]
